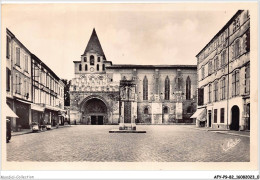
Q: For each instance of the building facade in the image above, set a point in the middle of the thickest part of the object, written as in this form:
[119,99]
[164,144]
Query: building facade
[161,94]
[48,94]
[224,75]
[33,91]
[18,81]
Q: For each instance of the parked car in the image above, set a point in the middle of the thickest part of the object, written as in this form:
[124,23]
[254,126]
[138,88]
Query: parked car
[35,127]
[8,130]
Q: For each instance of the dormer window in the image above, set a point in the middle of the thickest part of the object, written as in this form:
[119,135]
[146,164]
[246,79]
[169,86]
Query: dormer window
[92,60]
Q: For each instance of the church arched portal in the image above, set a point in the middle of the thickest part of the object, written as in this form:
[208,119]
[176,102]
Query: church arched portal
[94,112]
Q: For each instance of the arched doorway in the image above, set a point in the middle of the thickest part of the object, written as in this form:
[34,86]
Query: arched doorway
[234,118]
[165,116]
[95,112]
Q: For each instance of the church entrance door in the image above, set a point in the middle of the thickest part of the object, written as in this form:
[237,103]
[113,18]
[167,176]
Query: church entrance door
[96,109]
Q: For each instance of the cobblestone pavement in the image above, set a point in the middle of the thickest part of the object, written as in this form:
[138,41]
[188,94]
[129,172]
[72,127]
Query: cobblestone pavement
[172,143]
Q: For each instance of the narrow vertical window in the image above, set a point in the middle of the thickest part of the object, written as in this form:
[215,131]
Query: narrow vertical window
[215,115]
[222,115]
[146,111]
[97,67]
[223,58]
[235,83]
[237,48]
[86,67]
[247,80]
[92,60]
[188,88]
[103,67]
[18,56]
[7,47]
[8,75]
[223,89]
[80,67]
[145,88]
[85,59]
[210,89]
[98,59]
[26,63]
[167,88]
[216,91]
[202,72]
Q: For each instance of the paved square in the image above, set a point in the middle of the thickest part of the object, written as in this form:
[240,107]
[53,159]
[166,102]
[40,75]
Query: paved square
[162,143]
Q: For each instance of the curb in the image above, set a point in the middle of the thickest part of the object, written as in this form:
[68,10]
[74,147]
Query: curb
[38,131]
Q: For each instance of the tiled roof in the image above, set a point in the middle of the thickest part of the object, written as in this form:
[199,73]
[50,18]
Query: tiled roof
[94,45]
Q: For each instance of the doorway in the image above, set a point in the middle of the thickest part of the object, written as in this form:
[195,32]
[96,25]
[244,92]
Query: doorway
[234,118]
[209,112]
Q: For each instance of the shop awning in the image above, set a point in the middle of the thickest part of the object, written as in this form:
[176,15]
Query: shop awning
[200,114]
[9,112]
[53,108]
[37,107]
[26,102]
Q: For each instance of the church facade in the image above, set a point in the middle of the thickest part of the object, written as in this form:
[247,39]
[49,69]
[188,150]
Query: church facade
[161,94]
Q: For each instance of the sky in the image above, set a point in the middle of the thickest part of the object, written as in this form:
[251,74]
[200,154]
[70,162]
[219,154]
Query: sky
[129,34]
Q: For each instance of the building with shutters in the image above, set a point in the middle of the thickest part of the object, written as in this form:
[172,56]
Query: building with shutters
[224,76]
[18,81]
[33,91]
[162,94]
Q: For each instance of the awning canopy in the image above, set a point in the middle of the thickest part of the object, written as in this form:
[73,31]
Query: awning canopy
[9,112]
[26,102]
[37,107]
[53,108]
[200,114]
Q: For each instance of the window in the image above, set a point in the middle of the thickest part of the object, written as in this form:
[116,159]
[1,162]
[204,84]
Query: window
[210,89]
[8,77]
[8,47]
[236,48]
[188,88]
[247,79]
[86,67]
[145,88]
[97,67]
[216,91]
[146,111]
[167,88]
[92,60]
[223,58]
[80,67]
[98,59]
[222,115]
[26,63]
[103,67]
[200,96]
[215,115]
[202,72]
[165,110]
[235,83]
[216,64]
[248,41]
[85,59]
[18,56]
[236,24]
[223,89]
[210,68]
